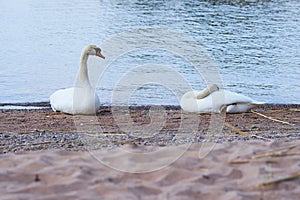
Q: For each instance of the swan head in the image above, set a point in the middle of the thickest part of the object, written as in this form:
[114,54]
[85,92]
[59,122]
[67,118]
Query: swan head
[213,88]
[93,50]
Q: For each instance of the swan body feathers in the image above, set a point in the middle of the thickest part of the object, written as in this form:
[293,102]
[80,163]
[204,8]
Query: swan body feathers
[212,99]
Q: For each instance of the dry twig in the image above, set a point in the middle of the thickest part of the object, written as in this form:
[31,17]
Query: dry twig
[276,181]
[276,152]
[276,120]
[239,161]
[237,130]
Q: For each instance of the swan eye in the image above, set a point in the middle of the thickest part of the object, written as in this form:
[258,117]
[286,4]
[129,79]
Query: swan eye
[97,49]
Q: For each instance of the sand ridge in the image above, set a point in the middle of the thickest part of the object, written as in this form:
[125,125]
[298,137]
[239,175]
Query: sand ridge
[238,170]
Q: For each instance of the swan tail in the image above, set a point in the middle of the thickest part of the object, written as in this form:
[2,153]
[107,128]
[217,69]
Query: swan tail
[239,107]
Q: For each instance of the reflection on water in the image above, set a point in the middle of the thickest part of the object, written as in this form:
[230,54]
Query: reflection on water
[254,43]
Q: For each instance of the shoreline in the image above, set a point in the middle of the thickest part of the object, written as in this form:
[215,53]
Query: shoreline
[46,104]
[37,129]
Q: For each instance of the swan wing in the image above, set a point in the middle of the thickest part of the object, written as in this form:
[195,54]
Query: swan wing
[62,101]
[75,101]
[216,100]
[238,103]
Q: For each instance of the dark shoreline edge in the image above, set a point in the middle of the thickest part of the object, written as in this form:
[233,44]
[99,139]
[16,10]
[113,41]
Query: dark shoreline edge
[46,105]
[27,104]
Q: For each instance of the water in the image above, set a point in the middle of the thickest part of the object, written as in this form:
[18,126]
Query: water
[255,45]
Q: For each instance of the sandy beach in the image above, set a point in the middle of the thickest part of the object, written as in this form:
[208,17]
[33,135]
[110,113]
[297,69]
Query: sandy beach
[47,155]
[211,55]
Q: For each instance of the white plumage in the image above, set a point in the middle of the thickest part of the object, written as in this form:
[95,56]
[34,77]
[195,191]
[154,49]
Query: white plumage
[81,99]
[212,99]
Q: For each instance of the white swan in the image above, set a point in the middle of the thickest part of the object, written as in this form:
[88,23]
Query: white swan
[82,98]
[212,99]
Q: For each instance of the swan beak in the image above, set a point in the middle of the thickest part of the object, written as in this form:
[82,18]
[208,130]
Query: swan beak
[98,53]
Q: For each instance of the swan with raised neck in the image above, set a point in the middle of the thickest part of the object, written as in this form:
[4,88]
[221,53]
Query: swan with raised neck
[83,71]
[82,98]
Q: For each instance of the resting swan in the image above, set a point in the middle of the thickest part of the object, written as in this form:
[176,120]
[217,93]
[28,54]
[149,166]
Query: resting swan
[82,98]
[212,99]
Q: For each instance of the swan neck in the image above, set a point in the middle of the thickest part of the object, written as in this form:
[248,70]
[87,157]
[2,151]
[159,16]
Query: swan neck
[83,72]
[204,94]
[207,91]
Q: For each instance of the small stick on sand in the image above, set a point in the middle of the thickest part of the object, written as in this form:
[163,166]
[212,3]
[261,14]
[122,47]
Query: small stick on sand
[237,130]
[223,110]
[276,152]
[276,120]
[234,162]
[286,178]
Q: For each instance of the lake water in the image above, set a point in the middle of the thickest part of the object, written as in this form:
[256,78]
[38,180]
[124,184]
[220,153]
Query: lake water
[254,44]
